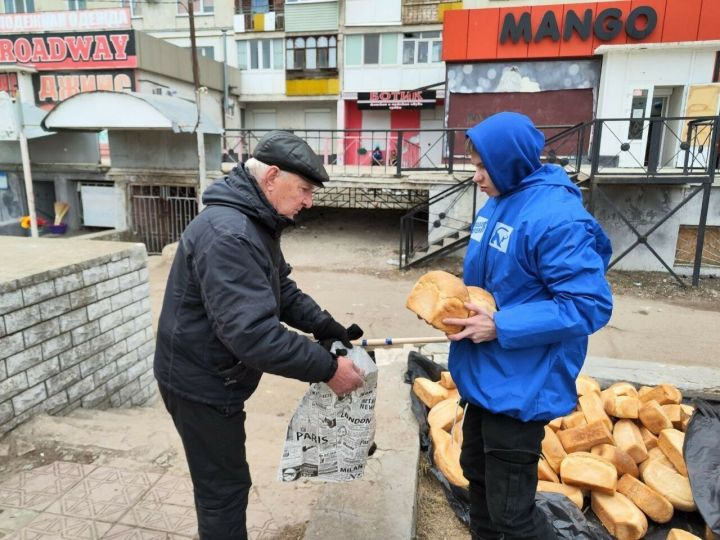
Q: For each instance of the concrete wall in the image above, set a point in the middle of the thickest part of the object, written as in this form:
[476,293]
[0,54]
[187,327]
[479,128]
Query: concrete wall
[643,207]
[76,334]
[66,147]
[161,150]
[372,12]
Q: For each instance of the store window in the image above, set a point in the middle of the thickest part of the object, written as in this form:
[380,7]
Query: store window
[75,5]
[19,6]
[312,52]
[260,54]
[716,71]
[135,7]
[637,113]
[200,7]
[422,48]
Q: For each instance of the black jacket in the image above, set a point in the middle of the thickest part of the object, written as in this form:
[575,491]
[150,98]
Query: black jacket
[227,294]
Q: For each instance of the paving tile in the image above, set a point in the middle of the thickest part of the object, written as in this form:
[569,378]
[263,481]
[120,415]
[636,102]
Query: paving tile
[104,494]
[167,506]
[37,488]
[128,532]
[260,522]
[49,526]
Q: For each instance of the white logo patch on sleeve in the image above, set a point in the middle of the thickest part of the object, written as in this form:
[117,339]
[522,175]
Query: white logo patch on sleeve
[478,228]
[501,237]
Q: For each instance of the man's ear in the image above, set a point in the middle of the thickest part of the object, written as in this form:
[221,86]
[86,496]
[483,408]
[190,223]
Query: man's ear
[271,176]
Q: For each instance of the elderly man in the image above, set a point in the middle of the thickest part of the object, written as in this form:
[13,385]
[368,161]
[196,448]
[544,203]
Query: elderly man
[220,328]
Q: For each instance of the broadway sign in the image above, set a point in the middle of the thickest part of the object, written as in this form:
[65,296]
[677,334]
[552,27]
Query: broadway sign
[81,50]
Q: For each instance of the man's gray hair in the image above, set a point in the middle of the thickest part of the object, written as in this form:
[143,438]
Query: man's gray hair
[257,168]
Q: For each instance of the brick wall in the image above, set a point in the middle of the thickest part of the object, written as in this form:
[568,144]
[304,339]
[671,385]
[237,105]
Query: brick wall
[76,336]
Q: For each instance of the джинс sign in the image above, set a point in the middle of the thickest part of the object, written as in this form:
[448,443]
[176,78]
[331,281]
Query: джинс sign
[76,50]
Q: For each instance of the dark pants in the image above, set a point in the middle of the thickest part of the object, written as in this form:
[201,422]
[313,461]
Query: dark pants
[214,441]
[500,460]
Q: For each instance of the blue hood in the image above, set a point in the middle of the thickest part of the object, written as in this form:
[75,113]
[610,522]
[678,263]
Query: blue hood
[509,146]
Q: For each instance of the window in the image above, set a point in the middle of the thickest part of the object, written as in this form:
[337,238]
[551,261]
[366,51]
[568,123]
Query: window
[135,7]
[637,112]
[260,6]
[371,49]
[74,5]
[260,54]
[200,7]
[422,48]
[207,50]
[313,52]
[19,6]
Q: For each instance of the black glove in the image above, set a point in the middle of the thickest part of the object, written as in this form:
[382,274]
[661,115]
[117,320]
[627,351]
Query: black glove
[331,331]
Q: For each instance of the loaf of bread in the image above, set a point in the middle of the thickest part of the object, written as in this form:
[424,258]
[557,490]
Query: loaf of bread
[446,380]
[671,443]
[623,407]
[592,407]
[628,438]
[679,534]
[663,394]
[481,298]
[571,492]
[444,414]
[648,437]
[619,458]
[673,412]
[655,506]
[573,420]
[439,295]
[655,454]
[670,484]
[447,457]
[545,471]
[623,388]
[585,437]
[456,432]
[552,449]
[652,417]
[585,384]
[555,424]
[620,516]
[588,471]
[429,392]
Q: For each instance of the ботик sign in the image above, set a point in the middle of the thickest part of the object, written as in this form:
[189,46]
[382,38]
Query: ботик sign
[393,100]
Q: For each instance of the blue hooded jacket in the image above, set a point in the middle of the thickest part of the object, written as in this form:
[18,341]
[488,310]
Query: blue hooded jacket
[543,257]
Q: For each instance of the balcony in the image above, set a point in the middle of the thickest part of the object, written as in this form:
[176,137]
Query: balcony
[249,20]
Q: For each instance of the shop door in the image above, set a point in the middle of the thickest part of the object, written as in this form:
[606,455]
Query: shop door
[635,132]
[318,124]
[702,100]
[656,131]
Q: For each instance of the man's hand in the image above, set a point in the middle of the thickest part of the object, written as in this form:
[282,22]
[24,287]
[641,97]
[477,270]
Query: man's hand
[347,378]
[477,328]
[332,331]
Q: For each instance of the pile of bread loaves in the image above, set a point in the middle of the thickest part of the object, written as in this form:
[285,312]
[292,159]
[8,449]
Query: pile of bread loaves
[622,448]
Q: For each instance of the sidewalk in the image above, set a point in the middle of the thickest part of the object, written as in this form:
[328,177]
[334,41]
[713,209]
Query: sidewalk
[142,501]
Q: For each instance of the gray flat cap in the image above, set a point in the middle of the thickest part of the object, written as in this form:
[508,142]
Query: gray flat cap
[290,153]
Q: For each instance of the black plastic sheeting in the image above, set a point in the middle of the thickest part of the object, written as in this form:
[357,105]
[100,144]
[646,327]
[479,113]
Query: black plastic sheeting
[702,454]
[702,457]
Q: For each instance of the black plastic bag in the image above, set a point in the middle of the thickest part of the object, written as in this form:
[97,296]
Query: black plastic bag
[702,456]
[569,522]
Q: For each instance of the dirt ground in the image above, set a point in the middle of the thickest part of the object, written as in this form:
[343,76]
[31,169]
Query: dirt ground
[347,260]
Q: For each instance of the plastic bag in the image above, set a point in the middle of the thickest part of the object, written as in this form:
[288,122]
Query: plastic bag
[329,437]
[568,520]
[702,457]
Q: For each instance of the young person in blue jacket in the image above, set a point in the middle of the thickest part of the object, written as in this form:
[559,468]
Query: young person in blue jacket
[543,257]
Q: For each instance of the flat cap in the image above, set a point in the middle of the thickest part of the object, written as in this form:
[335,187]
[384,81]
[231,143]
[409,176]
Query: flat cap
[290,153]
